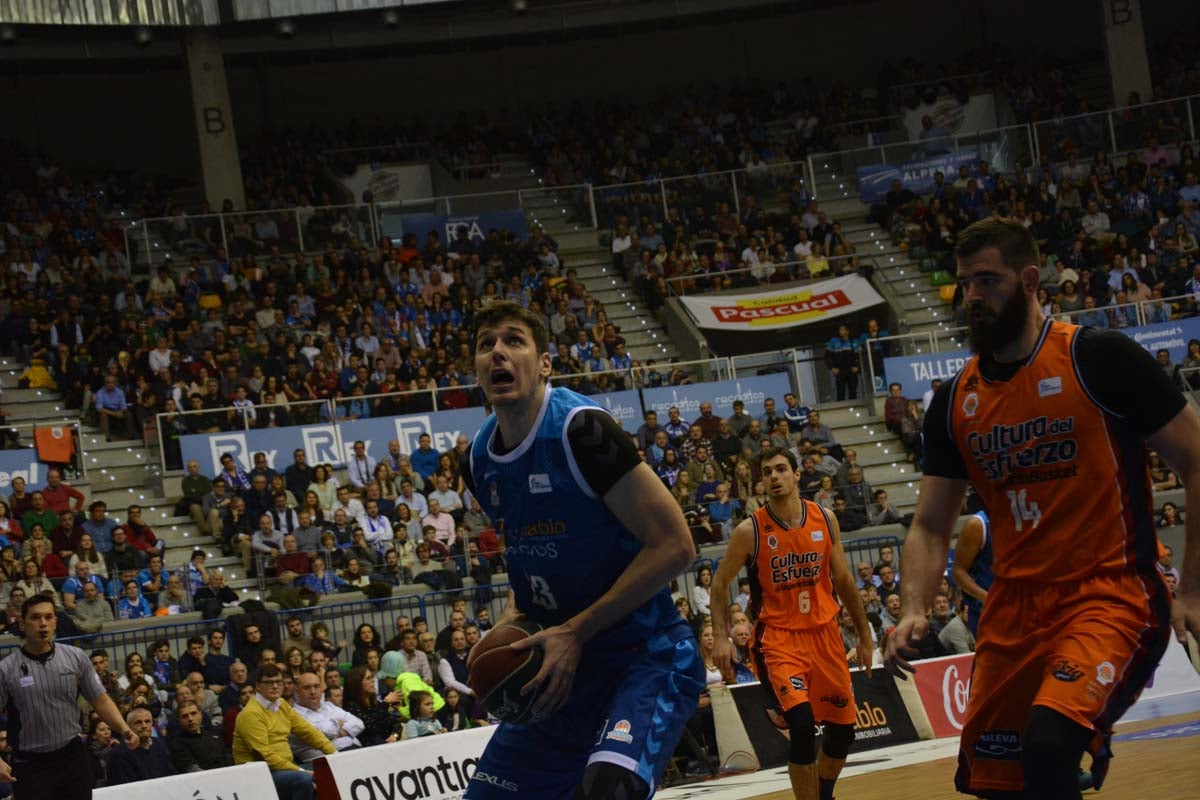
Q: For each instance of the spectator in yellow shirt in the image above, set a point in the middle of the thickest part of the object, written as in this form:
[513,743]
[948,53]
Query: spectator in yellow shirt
[261,734]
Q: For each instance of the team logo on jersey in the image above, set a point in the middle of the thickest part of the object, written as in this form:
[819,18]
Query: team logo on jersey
[620,732]
[539,483]
[970,404]
[818,536]
[1106,673]
[798,683]
[772,543]
[1049,386]
[1066,671]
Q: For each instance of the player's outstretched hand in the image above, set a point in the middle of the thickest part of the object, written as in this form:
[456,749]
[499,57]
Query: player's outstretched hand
[561,651]
[722,655]
[900,642]
[1185,616]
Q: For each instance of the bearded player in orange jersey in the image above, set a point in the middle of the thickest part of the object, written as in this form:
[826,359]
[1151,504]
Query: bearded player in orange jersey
[1049,424]
[792,551]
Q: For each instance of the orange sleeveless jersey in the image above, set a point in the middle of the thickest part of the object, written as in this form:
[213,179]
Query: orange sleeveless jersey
[1067,493]
[790,581]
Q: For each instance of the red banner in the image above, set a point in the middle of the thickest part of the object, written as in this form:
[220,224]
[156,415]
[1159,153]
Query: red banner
[944,685]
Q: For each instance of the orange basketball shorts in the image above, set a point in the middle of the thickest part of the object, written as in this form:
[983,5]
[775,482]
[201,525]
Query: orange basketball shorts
[1082,648]
[805,666]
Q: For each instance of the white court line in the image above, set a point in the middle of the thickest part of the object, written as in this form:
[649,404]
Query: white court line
[738,787]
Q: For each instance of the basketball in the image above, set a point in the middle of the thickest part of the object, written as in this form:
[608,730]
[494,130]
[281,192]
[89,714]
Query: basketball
[498,672]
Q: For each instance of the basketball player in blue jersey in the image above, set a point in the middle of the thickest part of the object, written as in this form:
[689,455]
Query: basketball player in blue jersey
[973,567]
[592,540]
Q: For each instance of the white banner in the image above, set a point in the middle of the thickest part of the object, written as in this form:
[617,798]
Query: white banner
[390,182]
[244,782]
[955,118]
[785,308]
[435,767]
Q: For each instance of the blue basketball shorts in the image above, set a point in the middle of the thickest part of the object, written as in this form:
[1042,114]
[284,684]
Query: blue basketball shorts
[625,712]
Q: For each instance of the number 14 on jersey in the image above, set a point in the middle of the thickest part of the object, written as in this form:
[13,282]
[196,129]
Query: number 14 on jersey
[1023,510]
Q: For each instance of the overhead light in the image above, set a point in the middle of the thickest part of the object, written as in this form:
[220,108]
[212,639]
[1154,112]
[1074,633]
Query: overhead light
[391,18]
[519,6]
[8,34]
[142,36]
[285,28]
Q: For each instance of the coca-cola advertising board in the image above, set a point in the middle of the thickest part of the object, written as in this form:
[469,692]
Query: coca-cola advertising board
[944,685]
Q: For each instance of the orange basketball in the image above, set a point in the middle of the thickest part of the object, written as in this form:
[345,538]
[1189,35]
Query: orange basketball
[498,672]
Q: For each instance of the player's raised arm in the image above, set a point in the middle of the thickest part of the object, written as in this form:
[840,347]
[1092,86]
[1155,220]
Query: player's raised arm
[1178,442]
[737,555]
[847,592]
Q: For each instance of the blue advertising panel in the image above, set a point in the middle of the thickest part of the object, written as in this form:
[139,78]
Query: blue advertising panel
[21,464]
[329,443]
[443,428]
[687,398]
[319,442]
[626,407]
[917,176]
[915,373]
[1173,336]
[446,225]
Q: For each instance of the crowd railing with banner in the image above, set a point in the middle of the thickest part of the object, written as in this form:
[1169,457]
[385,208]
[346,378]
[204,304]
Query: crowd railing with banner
[46,447]
[684,284]
[916,372]
[1002,148]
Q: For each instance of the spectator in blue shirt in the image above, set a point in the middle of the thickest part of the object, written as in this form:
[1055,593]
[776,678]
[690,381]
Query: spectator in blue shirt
[99,526]
[72,588]
[795,414]
[133,605]
[724,508]
[321,581]
[425,459]
[1091,315]
[113,408]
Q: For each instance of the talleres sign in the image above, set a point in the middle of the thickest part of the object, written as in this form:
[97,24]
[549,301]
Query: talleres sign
[429,768]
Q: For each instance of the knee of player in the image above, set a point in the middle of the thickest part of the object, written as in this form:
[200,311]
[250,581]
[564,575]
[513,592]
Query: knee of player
[802,731]
[837,739]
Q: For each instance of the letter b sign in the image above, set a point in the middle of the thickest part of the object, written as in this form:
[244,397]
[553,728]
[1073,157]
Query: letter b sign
[1119,12]
[214,120]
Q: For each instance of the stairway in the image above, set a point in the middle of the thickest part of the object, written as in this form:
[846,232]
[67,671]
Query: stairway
[121,473]
[566,216]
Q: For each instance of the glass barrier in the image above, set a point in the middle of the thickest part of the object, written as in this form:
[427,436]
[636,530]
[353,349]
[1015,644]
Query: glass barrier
[258,232]
[1167,121]
[714,193]
[558,207]
[631,201]
[773,188]
[178,238]
[1119,130]
[325,227]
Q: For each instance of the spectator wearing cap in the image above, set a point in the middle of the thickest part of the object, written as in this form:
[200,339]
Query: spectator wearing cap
[262,731]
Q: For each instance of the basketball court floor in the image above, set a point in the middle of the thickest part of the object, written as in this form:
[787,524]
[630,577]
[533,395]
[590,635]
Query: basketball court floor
[1157,756]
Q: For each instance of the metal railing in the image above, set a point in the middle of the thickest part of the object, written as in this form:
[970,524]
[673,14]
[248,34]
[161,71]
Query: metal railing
[898,344]
[1120,129]
[1001,147]
[683,284]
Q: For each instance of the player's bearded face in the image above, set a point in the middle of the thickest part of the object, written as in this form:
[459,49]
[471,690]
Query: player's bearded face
[990,328]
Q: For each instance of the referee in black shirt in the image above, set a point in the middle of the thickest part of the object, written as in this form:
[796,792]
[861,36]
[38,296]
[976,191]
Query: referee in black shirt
[39,685]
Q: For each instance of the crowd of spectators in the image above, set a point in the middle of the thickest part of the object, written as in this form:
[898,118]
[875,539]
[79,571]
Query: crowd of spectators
[218,703]
[710,465]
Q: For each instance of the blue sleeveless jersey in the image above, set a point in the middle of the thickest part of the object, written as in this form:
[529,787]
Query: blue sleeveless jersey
[981,573]
[563,546]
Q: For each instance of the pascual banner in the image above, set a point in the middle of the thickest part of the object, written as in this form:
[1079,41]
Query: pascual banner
[429,768]
[22,464]
[687,398]
[761,310]
[243,782]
